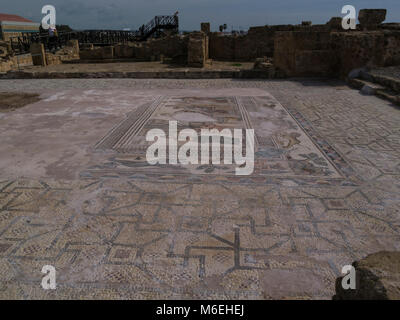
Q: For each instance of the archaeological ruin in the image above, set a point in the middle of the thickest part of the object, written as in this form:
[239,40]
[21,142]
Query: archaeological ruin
[279,51]
[79,194]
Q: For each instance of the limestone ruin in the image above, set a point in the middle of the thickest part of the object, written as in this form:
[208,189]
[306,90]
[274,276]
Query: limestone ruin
[78,192]
[304,50]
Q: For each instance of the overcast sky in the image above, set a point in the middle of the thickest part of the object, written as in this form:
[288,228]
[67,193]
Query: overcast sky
[119,14]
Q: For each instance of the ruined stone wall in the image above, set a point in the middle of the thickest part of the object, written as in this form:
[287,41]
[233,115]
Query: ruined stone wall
[172,46]
[153,49]
[15,62]
[303,53]
[357,49]
[101,53]
[38,54]
[70,51]
[9,61]
[197,49]
[391,55]
[222,47]
[258,42]
[335,53]
[52,59]
[366,49]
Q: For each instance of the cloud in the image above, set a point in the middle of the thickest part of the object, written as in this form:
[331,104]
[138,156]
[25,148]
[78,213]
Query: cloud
[103,14]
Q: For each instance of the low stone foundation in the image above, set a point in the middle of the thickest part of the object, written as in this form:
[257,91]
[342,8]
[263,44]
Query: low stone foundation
[98,53]
[15,62]
[302,50]
[335,54]
[201,74]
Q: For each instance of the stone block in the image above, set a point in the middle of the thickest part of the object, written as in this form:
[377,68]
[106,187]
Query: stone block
[4,49]
[357,49]
[377,278]
[98,53]
[197,51]
[205,27]
[303,53]
[370,19]
[335,23]
[38,54]
[52,59]
[262,63]
[74,45]
[5,65]
[124,51]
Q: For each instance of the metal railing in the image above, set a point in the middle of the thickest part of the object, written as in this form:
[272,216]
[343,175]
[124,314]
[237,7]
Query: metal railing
[21,44]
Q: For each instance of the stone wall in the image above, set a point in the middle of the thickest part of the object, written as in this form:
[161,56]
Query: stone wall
[38,54]
[171,46]
[197,49]
[15,62]
[297,50]
[22,60]
[8,61]
[42,58]
[52,59]
[301,53]
[97,53]
[391,55]
[258,42]
[222,47]
[335,52]
[69,52]
[357,49]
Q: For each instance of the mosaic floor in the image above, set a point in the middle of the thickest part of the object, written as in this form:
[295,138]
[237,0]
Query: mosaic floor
[282,148]
[76,193]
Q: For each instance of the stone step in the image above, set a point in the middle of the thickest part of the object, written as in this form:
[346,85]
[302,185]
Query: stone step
[371,88]
[389,95]
[365,86]
[386,81]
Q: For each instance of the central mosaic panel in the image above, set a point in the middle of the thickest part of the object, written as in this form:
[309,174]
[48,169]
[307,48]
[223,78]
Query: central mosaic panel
[283,147]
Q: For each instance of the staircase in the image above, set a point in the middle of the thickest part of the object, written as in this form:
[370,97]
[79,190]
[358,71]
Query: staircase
[382,82]
[155,27]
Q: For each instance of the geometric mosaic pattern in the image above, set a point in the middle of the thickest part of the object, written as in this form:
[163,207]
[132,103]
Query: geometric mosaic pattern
[129,237]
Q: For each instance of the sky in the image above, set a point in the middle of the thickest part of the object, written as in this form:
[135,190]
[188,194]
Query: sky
[237,14]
